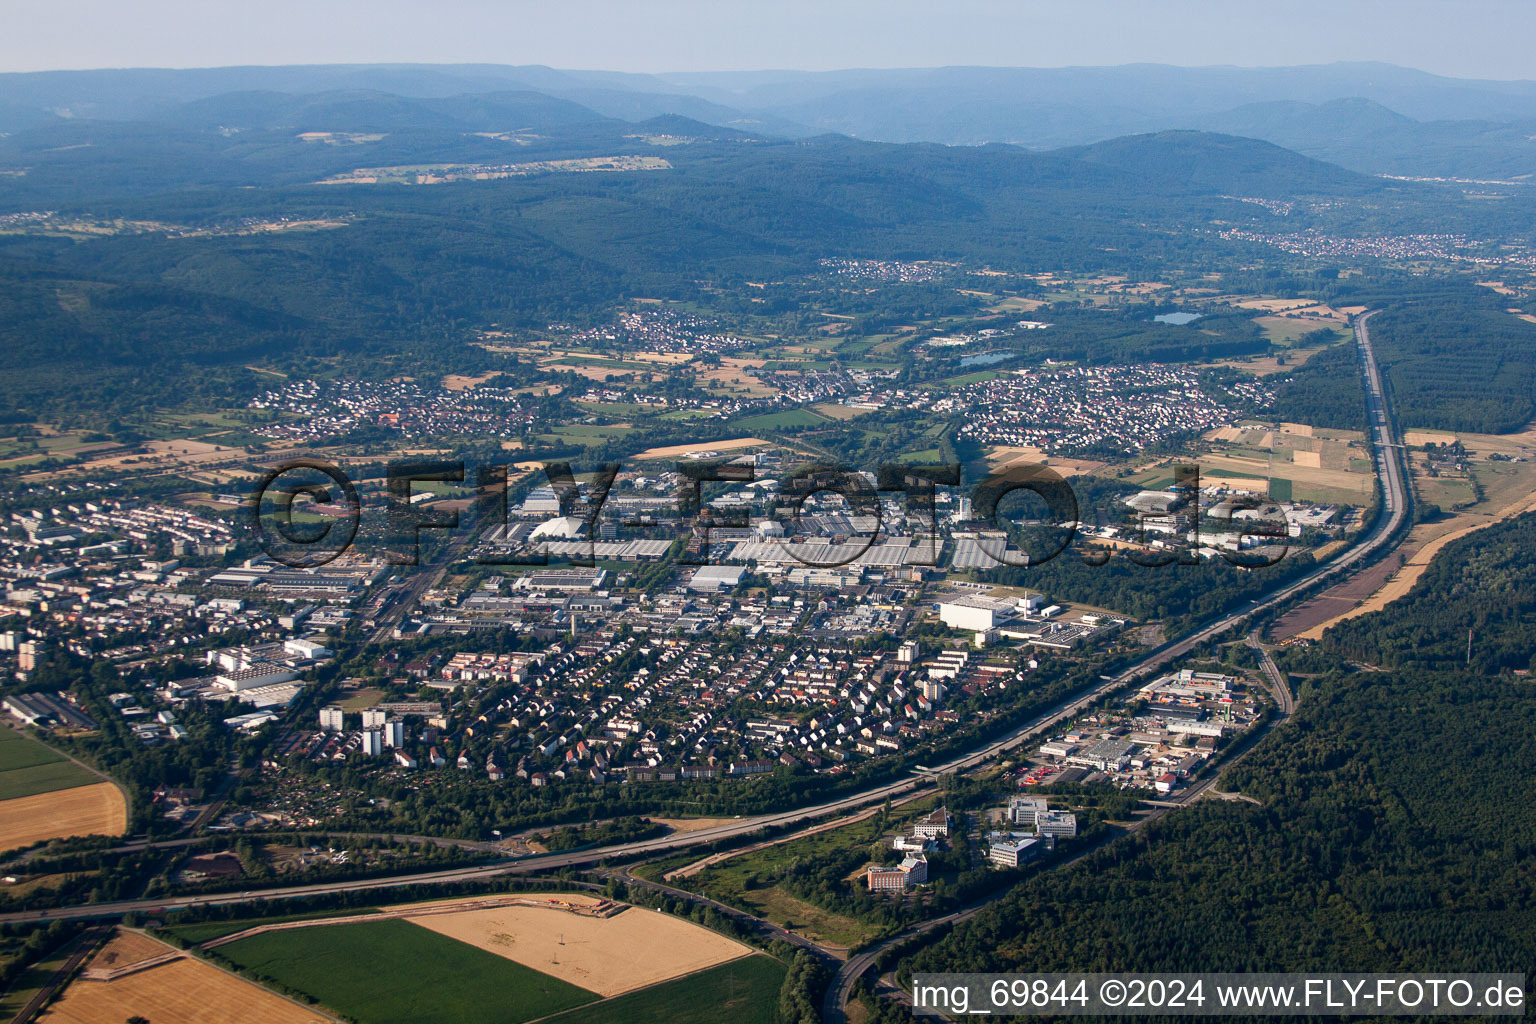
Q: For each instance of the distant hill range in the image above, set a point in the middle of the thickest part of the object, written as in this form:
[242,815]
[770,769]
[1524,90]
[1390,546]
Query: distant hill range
[1372,118]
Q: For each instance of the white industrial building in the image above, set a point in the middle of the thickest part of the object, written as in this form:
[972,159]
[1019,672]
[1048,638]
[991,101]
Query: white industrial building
[976,614]
[541,501]
[306,648]
[259,674]
[712,579]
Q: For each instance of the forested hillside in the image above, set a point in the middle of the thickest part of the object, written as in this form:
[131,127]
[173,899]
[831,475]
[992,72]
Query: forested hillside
[175,250]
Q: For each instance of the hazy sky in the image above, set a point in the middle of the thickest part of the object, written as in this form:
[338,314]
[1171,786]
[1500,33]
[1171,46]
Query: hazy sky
[1466,38]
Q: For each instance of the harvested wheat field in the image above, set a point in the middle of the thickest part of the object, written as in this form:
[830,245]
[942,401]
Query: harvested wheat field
[1006,456]
[127,948]
[1420,438]
[1356,484]
[692,824]
[608,955]
[1234,483]
[463,382]
[1273,305]
[96,810]
[183,991]
[702,448]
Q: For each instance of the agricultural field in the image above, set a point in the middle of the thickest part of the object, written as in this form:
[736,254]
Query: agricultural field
[744,991]
[1491,490]
[631,950]
[585,433]
[97,809]
[1287,330]
[781,420]
[33,979]
[45,796]
[1290,462]
[702,448]
[395,972]
[19,753]
[185,990]
[195,933]
[734,376]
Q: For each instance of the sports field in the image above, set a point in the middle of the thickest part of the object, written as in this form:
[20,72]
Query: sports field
[743,991]
[394,972]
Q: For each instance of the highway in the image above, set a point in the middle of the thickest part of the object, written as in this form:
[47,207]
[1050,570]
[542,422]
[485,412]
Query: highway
[1277,684]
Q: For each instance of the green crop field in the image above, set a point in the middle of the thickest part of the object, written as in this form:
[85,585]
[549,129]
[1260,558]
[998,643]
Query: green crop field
[395,972]
[195,933]
[28,768]
[744,991]
[18,750]
[779,420]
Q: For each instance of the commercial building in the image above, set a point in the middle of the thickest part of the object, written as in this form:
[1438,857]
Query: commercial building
[1026,810]
[541,501]
[1010,849]
[1105,755]
[711,579]
[1057,824]
[305,648]
[976,614]
[913,870]
[934,826]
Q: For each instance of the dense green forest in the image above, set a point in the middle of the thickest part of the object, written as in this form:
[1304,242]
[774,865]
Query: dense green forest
[1456,360]
[1393,829]
[1325,391]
